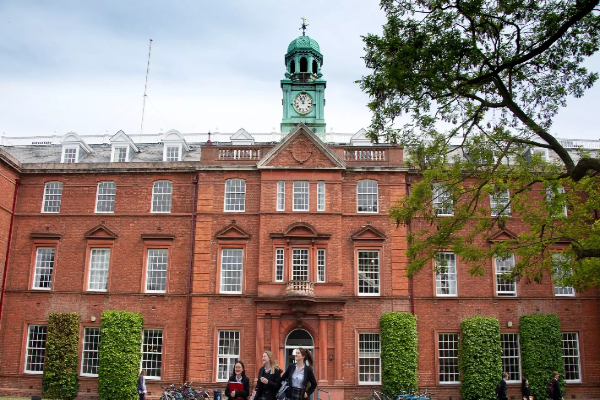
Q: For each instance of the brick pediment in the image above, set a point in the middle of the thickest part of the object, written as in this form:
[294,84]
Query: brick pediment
[502,235]
[300,230]
[368,233]
[301,148]
[232,232]
[100,232]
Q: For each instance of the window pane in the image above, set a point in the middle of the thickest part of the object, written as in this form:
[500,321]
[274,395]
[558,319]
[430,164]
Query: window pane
[99,261]
[445,277]
[511,356]
[442,201]
[235,195]
[368,272]
[299,264]
[499,203]
[36,348]
[366,196]
[231,270]
[505,286]
[556,201]
[558,259]
[321,196]
[152,352]
[52,197]
[229,353]
[120,154]
[156,274]
[321,265]
[369,358]
[300,196]
[161,197]
[105,200]
[570,347]
[448,357]
[172,153]
[279,265]
[89,357]
[70,156]
[281,196]
[44,265]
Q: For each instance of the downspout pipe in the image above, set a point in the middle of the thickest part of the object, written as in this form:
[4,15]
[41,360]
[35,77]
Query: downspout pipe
[188,312]
[411,284]
[10,231]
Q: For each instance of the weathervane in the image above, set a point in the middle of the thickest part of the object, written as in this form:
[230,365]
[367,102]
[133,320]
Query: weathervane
[304,26]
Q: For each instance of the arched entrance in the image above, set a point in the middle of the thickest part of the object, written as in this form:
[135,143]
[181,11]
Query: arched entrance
[297,338]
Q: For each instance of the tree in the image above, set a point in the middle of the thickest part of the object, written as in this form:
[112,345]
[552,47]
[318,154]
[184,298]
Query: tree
[481,81]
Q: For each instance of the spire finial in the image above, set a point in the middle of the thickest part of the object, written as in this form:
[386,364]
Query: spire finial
[304,26]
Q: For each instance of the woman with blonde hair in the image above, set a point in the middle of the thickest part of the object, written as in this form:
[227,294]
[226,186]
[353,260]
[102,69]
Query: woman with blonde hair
[269,376]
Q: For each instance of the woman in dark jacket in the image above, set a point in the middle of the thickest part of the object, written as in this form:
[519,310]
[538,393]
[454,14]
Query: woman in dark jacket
[239,376]
[300,377]
[269,376]
[525,389]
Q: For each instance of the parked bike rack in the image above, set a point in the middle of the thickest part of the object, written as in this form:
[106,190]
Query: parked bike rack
[324,391]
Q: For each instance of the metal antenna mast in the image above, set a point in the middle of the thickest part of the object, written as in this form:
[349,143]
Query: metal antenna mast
[146,87]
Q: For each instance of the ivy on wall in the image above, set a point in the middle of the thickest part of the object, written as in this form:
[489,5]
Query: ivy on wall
[399,352]
[480,357]
[119,355]
[60,379]
[541,352]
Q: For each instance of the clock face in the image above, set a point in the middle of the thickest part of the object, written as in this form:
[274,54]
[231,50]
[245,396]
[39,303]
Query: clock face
[303,103]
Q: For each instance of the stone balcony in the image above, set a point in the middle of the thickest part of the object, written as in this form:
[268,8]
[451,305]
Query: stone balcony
[297,288]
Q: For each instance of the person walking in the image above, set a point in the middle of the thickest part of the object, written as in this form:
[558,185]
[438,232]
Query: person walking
[239,376]
[525,389]
[269,376]
[501,388]
[141,386]
[300,376]
[556,393]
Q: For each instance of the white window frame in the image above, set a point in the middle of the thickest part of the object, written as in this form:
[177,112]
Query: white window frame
[148,351]
[511,356]
[302,193]
[227,352]
[442,202]
[103,271]
[43,332]
[163,253]
[46,194]
[279,264]
[64,151]
[113,153]
[367,195]
[235,268]
[543,152]
[577,354]
[298,265]
[39,267]
[167,157]
[498,274]
[321,266]
[561,291]
[234,199]
[98,200]
[497,201]
[370,356]
[361,272]
[156,198]
[90,349]
[550,197]
[281,196]
[321,196]
[454,338]
[446,279]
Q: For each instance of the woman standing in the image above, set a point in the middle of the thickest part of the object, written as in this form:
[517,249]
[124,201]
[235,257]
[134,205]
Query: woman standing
[239,376]
[525,389]
[142,385]
[269,376]
[300,377]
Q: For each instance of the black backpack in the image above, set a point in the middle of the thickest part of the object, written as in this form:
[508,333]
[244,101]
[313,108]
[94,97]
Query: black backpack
[550,389]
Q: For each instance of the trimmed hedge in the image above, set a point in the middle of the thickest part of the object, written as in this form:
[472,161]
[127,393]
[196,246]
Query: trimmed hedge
[60,380]
[480,358]
[399,352]
[119,355]
[541,352]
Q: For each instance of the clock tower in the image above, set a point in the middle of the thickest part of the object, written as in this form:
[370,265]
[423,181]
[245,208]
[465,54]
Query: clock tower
[303,89]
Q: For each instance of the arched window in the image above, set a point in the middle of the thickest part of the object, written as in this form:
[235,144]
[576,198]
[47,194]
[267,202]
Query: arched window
[315,67]
[297,338]
[303,65]
[293,67]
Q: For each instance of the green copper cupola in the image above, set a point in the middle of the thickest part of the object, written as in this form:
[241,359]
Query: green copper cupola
[303,89]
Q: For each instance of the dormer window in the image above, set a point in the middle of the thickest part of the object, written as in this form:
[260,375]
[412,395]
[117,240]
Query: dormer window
[173,153]
[123,148]
[120,154]
[70,155]
[73,148]
[174,146]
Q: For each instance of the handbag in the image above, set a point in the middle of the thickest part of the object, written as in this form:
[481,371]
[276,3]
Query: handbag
[281,394]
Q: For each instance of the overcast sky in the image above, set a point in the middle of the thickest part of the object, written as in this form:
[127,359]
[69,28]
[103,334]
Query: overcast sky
[81,66]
